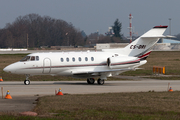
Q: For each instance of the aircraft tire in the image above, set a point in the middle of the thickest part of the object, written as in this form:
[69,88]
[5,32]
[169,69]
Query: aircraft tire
[100,81]
[26,82]
[90,80]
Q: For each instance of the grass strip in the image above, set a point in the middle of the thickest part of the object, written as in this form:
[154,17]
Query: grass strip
[123,106]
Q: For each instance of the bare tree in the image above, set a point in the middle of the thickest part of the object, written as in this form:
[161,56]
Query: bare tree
[41,31]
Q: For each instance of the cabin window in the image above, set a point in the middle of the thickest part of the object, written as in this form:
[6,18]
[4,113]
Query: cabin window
[79,58]
[73,59]
[67,59]
[86,59]
[37,58]
[62,60]
[92,58]
[32,58]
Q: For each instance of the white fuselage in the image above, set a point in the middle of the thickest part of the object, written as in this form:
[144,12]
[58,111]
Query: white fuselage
[69,63]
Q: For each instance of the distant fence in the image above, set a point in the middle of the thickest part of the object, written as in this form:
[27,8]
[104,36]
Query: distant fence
[10,49]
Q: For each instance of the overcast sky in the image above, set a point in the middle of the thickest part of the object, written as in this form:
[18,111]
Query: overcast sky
[93,15]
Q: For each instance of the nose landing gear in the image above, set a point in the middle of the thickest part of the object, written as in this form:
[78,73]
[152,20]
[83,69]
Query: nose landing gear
[27,81]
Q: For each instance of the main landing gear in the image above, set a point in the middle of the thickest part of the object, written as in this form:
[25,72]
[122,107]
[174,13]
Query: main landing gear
[92,80]
[100,81]
[27,81]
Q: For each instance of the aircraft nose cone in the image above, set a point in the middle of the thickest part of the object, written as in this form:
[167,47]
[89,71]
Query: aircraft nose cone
[9,68]
[6,69]
[12,68]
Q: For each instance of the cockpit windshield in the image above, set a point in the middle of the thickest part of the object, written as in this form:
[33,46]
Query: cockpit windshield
[30,58]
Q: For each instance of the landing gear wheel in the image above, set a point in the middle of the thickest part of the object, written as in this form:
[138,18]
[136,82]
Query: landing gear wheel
[100,81]
[26,82]
[90,80]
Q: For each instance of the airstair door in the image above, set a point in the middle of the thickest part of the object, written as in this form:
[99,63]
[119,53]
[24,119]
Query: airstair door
[46,66]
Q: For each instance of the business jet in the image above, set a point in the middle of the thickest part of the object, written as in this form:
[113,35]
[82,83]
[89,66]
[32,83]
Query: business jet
[102,64]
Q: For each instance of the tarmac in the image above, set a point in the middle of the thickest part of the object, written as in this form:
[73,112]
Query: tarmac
[24,96]
[17,104]
[41,88]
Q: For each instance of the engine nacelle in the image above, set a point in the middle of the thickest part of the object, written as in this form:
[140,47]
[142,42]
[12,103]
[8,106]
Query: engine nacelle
[122,61]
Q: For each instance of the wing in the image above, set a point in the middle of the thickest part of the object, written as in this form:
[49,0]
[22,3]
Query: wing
[103,73]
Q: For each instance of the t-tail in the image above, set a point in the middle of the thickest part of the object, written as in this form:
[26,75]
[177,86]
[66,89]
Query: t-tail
[141,47]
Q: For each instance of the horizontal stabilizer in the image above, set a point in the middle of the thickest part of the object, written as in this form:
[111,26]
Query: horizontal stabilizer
[160,36]
[169,36]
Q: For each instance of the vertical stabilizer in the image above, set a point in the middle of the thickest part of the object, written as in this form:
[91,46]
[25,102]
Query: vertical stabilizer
[141,47]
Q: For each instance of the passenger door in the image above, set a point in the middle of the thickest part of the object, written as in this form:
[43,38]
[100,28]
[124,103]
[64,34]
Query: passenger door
[46,66]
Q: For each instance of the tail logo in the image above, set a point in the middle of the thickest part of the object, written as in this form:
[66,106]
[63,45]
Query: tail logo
[137,46]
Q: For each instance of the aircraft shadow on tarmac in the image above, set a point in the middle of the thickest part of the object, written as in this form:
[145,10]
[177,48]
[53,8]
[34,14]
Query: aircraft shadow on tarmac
[84,83]
[65,83]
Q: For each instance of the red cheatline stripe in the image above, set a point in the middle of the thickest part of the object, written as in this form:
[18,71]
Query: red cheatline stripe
[145,55]
[83,65]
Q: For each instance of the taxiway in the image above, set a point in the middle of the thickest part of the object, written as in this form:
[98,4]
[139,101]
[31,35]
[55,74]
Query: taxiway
[41,88]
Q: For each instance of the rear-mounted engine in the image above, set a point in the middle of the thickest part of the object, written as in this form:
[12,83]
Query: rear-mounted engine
[122,61]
